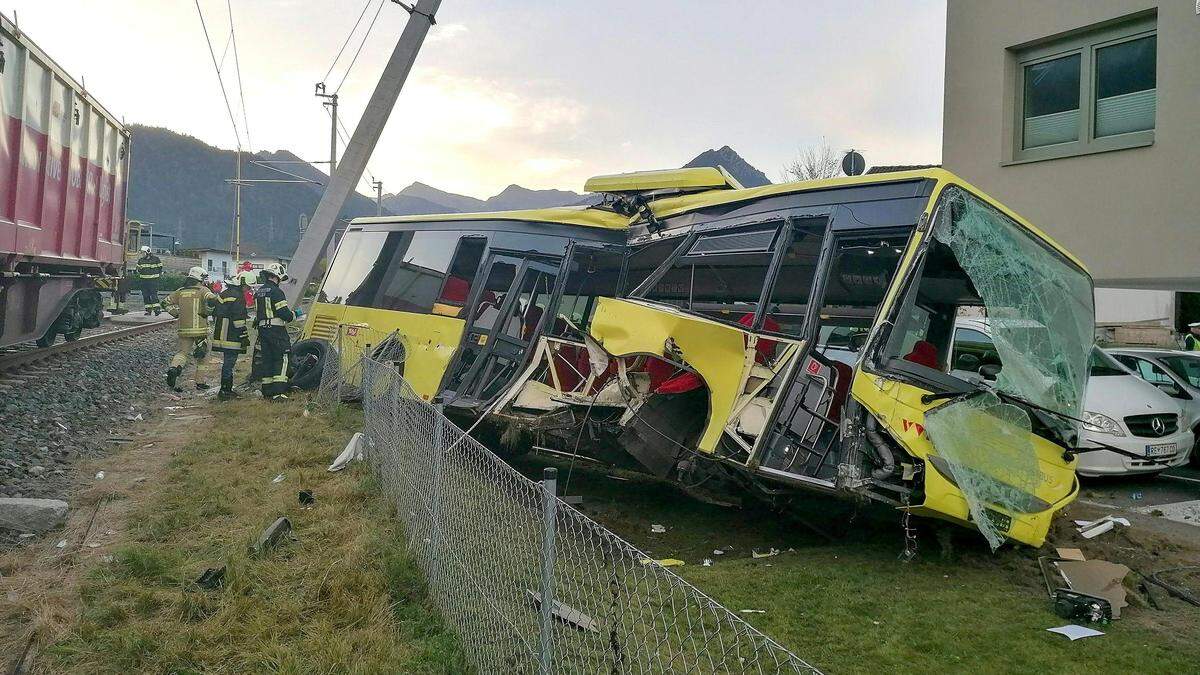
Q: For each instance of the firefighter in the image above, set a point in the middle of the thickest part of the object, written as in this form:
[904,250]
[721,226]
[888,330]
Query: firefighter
[149,269]
[1191,341]
[229,335]
[191,305]
[271,317]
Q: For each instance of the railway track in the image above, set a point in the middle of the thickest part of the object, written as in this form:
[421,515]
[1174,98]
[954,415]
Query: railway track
[14,361]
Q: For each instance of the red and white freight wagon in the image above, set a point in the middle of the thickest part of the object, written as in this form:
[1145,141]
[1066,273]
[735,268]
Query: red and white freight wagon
[64,167]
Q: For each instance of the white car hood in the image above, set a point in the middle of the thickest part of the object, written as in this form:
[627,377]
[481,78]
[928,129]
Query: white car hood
[1119,395]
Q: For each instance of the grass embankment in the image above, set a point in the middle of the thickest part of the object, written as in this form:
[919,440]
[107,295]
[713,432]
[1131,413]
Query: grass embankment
[849,606]
[342,597]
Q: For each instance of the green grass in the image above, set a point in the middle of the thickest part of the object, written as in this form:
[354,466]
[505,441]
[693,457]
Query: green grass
[342,597]
[849,606]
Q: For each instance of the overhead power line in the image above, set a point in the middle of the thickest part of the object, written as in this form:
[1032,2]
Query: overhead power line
[349,35]
[224,94]
[238,69]
[360,46]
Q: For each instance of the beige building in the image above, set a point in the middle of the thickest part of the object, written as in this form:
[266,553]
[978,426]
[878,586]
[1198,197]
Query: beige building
[1084,116]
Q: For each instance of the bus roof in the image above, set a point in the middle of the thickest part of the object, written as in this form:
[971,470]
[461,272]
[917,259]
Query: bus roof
[585,216]
[665,207]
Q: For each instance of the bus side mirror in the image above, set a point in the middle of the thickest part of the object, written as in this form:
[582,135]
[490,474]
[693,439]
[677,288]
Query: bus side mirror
[989,371]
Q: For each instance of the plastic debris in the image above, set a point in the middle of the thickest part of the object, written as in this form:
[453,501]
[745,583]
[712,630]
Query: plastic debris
[707,562]
[1097,578]
[352,452]
[1070,554]
[1094,528]
[277,479]
[99,475]
[566,614]
[61,544]
[717,551]
[271,536]
[665,562]
[657,529]
[1075,632]
[753,611]
[212,577]
[766,554]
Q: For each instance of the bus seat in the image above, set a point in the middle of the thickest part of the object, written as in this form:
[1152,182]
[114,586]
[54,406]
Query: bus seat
[841,388]
[924,354]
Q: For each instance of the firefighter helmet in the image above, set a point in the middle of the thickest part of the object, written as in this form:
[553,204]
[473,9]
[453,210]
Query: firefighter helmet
[276,270]
[247,278]
[145,249]
[197,273]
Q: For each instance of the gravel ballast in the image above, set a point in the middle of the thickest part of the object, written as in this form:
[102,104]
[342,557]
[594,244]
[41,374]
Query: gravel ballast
[72,406]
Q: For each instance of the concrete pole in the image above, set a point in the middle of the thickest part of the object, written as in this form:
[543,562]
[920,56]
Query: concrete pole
[378,185]
[358,151]
[333,133]
[237,211]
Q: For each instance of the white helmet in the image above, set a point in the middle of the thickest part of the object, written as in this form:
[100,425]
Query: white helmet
[276,270]
[145,249]
[197,273]
[247,278]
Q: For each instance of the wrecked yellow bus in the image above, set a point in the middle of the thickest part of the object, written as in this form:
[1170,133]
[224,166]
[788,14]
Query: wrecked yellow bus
[764,342]
[802,337]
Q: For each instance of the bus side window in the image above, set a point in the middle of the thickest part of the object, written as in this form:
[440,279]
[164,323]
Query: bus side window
[460,276]
[592,274]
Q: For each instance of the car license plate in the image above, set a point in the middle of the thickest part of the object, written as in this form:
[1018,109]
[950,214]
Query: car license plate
[1160,450]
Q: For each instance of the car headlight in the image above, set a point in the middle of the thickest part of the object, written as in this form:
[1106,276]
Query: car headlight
[1101,424]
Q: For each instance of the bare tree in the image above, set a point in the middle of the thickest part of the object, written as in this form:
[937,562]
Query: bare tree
[814,162]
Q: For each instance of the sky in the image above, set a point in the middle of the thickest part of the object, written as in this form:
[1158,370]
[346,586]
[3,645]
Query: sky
[541,93]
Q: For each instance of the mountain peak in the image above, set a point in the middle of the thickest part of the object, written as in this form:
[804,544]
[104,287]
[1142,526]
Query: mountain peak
[731,161]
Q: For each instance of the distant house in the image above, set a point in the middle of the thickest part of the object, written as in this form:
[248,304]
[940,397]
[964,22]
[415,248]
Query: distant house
[218,263]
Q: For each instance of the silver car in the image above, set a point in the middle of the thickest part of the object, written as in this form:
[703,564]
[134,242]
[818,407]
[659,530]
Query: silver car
[1175,372]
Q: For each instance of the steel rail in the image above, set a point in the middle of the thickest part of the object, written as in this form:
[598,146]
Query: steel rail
[17,360]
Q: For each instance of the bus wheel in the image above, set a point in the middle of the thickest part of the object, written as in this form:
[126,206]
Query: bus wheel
[308,357]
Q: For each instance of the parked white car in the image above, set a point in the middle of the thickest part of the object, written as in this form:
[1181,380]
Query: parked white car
[1121,409]
[1176,373]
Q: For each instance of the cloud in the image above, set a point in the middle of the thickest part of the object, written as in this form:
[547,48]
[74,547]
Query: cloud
[445,32]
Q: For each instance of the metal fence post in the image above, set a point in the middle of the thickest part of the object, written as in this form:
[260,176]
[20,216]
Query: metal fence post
[439,450]
[550,510]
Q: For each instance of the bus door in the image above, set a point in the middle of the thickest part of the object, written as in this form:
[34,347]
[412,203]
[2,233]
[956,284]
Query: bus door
[802,439]
[504,319]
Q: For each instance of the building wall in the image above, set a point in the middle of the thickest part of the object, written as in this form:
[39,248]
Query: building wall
[1133,216]
[218,264]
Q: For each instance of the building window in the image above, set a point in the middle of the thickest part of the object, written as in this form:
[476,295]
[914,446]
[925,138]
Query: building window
[210,265]
[1091,92]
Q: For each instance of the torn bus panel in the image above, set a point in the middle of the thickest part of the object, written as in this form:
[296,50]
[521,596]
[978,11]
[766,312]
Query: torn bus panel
[807,342]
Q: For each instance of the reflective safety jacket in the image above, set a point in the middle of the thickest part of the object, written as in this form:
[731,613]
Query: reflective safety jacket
[229,321]
[149,267]
[271,307]
[1191,343]
[191,305]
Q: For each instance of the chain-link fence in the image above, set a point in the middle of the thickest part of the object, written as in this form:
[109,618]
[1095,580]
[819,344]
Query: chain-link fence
[528,582]
[341,369]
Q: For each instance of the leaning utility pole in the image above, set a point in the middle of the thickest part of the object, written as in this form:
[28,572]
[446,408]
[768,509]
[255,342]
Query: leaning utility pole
[358,150]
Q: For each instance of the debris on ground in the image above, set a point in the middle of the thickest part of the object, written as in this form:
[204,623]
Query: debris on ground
[99,475]
[1176,589]
[1069,554]
[32,515]
[1090,529]
[352,452]
[277,479]
[766,554]
[306,498]
[658,529]
[665,562]
[717,551]
[1181,512]
[1098,579]
[566,614]
[212,577]
[1075,632]
[753,611]
[707,562]
[271,536]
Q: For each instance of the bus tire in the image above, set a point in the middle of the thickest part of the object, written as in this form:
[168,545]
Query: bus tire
[308,357]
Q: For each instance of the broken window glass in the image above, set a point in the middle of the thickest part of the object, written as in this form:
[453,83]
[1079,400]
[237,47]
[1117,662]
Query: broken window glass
[1038,311]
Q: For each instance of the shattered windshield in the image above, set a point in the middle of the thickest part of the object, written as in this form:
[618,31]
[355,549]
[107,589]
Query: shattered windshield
[1036,306]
